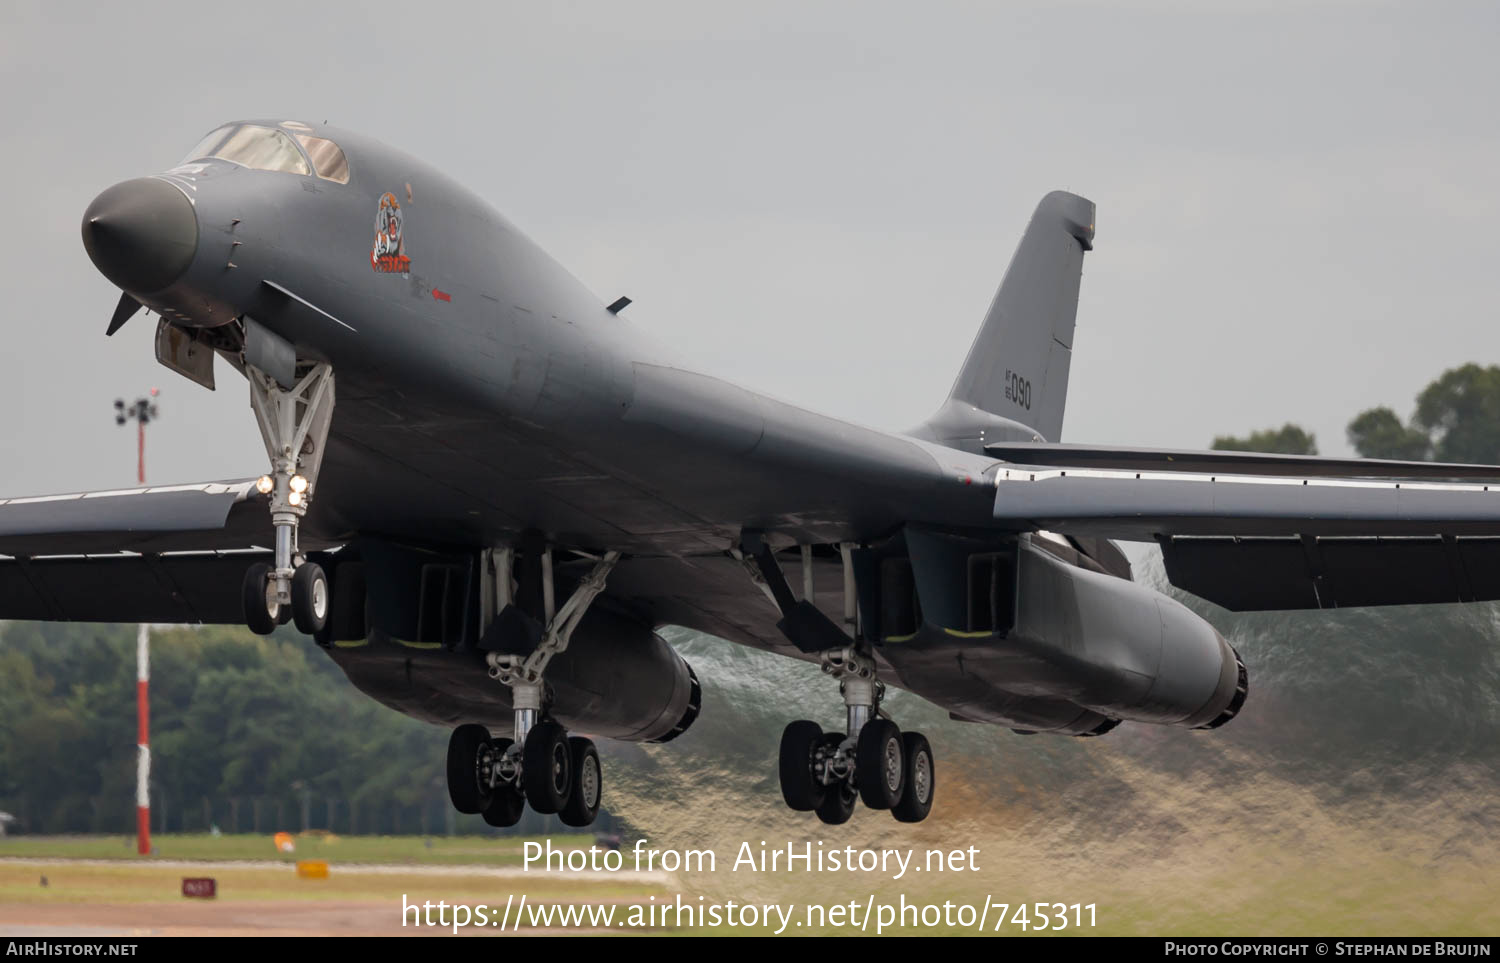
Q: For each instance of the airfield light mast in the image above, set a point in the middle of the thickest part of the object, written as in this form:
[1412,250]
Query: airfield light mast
[143,411]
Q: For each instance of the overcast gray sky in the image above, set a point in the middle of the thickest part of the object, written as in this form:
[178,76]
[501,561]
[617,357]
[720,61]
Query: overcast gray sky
[1297,201]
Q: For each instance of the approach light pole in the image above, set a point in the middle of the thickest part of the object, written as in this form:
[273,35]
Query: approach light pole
[143,411]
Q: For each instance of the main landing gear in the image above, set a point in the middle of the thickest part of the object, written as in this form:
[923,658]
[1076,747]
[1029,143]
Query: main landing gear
[294,425]
[874,761]
[555,772]
[540,764]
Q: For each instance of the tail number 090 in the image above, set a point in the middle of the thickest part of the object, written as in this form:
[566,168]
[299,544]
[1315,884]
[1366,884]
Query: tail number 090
[1018,389]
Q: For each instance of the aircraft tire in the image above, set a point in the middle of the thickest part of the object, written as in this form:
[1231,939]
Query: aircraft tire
[799,742]
[464,790]
[505,808]
[506,801]
[879,764]
[921,780]
[838,800]
[310,598]
[261,614]
[582,806]
[547,767]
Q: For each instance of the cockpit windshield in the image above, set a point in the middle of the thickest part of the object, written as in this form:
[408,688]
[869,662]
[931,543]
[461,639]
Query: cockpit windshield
[270,149]
[205,147]
[262,149]
[258,148]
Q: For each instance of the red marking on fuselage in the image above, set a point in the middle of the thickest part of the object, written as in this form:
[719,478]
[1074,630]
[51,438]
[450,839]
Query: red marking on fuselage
[441,295]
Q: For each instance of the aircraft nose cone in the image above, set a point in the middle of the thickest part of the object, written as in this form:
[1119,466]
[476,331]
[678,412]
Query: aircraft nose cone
[141,234]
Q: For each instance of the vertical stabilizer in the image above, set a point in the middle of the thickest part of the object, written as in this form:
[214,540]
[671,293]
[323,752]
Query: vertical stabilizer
[1014,383]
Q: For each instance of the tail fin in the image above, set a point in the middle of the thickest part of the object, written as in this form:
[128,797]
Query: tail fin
[1017,368]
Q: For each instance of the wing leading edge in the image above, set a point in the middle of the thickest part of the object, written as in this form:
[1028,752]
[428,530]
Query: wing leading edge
[1227,462]
[169,518]
[1144,506]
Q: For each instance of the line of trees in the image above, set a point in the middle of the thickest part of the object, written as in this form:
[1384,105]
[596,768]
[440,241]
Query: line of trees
[247,734]
[1456,419]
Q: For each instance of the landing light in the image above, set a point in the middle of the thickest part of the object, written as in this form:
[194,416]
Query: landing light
[294,498]
[299,484]
[263,484]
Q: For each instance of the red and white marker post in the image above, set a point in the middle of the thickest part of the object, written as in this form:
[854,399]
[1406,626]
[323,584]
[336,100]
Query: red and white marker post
[142,411]
[143,740]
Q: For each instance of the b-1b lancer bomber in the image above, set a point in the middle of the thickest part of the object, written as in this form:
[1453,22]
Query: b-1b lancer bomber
[484,490]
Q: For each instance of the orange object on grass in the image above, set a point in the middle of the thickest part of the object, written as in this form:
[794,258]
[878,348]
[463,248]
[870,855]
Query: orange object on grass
[312,868]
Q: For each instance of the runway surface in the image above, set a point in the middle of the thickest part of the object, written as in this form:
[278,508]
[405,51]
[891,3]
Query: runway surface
[656,877]
[100,898]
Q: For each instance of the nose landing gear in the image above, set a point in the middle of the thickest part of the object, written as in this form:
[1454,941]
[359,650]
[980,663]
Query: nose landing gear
[294,425]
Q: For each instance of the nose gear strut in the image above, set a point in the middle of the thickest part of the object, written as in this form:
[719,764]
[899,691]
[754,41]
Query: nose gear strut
[294,425]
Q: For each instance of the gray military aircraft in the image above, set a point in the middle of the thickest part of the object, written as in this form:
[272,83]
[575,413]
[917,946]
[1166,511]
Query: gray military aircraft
[516,487]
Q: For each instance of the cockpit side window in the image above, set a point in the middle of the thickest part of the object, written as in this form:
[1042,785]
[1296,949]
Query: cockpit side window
[259,148]
[327,158]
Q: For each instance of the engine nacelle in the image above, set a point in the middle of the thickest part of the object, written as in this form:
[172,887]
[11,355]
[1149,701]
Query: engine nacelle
[1121,649]
[617,678]
[620,679]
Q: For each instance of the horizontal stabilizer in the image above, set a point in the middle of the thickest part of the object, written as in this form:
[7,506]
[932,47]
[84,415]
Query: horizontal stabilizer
[1227,462]
[1261,574]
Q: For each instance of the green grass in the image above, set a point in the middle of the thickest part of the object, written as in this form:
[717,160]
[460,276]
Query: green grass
[413,850]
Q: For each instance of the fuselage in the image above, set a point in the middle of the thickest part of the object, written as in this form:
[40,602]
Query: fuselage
[478,376]
[487,400]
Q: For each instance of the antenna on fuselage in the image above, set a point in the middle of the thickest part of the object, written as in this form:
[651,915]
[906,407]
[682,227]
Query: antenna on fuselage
[620,304]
